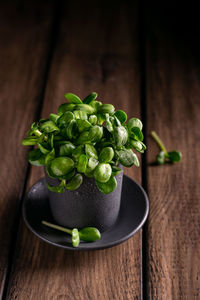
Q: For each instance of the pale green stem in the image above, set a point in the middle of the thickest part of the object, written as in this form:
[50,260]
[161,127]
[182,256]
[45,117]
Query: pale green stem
[158,141]
[39,133]
[57,227]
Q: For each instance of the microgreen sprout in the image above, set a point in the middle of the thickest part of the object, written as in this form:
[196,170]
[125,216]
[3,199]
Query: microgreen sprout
[87,234]
[164,156]
[85,138]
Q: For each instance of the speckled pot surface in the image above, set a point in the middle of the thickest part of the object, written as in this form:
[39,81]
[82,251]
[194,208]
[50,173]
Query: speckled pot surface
[86,206]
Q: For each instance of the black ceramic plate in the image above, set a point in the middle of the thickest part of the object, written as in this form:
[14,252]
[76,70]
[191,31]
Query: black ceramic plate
[133,213]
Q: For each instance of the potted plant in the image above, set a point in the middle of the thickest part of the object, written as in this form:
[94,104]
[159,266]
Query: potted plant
[83,148]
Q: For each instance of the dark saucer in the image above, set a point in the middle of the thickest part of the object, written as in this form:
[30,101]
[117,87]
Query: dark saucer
[133,213]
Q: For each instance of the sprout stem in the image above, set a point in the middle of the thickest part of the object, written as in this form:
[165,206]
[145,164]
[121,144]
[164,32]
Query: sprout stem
[158,141]
[37,132]
[57,227]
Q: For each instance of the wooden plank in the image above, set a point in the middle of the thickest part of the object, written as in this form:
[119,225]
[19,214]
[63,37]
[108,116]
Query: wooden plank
[99,53]
[24,41]
[173,107]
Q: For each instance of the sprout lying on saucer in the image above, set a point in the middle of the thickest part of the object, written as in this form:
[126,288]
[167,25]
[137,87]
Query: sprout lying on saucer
[87,234]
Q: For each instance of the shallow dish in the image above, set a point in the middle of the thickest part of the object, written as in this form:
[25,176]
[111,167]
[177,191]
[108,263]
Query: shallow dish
[133,213]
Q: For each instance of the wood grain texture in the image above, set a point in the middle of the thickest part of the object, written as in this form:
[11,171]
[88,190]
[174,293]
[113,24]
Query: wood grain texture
[24,39]
[98,52]
[173,107]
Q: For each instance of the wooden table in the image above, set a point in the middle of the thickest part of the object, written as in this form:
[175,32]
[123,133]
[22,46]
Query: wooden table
[140,60]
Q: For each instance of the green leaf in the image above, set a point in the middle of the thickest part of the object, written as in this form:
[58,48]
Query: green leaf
[174,156]
[64,119]
[51,140]
[106,154]
[106,108]
[120,135]
[65,107]
[67,176]
[116,121]
[137,145]
[85,107]
[160,158]
[134,122]
[90,151]
[108,187]
[72,129]
[108,124]
[34,130]
[136,134]
[77,152]
[93,119]
[75,182]
[127,158]
[83,125]
[143,145]
[48,170]
[89,234]
[82,163]
[95,105]
[90,98]
[49,126]
[30,141]
[102,172]
[92,163]
[72,98]
[66,149]
[54,117]
[56,189]
[121,116]
[95,133]
[80,114]
[61,166]
[75,238]
[36,158]
[116,170]
[83,138]
[89,173]
[34,125]
[61,177]
[100,119]
[50,156]
[43,149]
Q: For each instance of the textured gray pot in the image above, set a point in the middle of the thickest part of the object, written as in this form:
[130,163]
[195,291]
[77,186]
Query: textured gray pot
[86,206]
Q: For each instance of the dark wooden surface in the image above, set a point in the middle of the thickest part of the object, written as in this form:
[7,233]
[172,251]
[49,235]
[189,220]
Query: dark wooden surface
[136,59]
[24,43]
[173,106]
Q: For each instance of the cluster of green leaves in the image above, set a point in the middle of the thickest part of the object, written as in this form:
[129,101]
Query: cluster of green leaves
[88,138]
[86,234]
[165,156]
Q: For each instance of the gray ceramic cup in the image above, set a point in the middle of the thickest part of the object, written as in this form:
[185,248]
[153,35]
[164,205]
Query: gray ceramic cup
[86,206]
